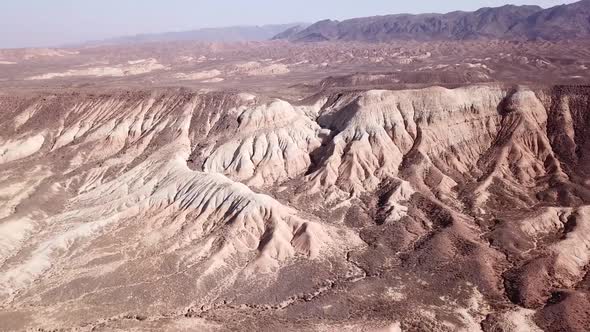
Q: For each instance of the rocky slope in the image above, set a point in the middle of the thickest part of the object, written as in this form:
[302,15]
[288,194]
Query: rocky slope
[507,22]
[412,210]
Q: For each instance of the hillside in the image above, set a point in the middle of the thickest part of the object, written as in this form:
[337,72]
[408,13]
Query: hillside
[507,22]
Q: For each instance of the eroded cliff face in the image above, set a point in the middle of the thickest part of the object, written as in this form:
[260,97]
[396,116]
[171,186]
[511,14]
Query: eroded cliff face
[429,209]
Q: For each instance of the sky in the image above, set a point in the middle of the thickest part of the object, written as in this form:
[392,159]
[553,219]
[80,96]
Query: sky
[38,23]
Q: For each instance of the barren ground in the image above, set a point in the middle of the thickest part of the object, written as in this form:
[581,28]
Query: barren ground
[296,187]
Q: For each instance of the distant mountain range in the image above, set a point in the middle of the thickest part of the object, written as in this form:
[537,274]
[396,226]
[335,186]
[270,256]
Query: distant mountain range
[507,22]
[227,34]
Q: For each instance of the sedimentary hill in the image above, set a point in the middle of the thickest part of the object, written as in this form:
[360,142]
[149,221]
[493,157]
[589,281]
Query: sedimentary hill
[507,22]
[170,209]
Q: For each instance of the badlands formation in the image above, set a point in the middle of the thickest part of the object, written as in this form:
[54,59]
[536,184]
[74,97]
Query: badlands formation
[296,187]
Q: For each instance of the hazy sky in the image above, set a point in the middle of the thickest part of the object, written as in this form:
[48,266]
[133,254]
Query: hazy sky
[25,23]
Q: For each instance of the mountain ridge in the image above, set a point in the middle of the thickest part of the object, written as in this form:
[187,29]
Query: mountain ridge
[512,22]
[238,33]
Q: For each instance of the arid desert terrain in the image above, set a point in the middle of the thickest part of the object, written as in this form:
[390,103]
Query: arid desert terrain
[439,185]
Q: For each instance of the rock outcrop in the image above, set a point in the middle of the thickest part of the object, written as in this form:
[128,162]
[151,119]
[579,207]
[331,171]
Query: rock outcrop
[446,209]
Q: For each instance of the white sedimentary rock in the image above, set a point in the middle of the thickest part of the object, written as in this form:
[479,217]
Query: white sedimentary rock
[203,217]
[273,143]
[21,148]
[573,253]
[203,75]
[377,129]
[254,68]
[131,68]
